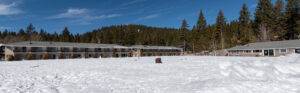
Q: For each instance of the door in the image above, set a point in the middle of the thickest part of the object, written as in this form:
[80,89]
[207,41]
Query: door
[271,52]
[54,57]
[266,52]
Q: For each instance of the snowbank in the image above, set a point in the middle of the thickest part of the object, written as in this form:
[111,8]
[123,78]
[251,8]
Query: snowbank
[186,74]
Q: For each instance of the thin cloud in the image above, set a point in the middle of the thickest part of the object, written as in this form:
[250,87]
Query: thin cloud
[81,13]
[132,2]
[71,13]
[9,9]
[107,16]
[149,17]
[87,20]
[81,16]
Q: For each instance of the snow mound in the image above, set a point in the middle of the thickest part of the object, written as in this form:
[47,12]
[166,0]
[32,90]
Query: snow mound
[177,74]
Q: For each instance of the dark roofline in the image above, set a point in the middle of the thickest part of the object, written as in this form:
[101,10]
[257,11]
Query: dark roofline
[82,45]
[275,41]
[57,42]
[269,45]
[62,44]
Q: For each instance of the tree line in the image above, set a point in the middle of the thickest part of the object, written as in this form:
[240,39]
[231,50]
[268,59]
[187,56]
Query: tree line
[271,22]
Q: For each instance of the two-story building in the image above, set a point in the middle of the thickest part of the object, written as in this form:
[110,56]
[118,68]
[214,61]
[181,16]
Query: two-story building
[65,50]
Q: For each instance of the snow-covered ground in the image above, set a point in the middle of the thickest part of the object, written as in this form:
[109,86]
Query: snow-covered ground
[183,74]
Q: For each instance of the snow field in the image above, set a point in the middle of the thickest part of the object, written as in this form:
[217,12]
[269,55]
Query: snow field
[177,74]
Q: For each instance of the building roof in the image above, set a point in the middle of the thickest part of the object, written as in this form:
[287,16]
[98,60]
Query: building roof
[269,45]
[81,45]
[63,44]
[153,47]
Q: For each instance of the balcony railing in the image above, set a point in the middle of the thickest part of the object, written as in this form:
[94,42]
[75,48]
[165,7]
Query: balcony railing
[65,50]
[37,50]
[95,50]
[52,50]
[19,50]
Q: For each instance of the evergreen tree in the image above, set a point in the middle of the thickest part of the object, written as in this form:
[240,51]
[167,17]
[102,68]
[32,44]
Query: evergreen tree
[48,37]
[55,37]
[21,33]
[264,20]
[77,38]
[298,26]
[194,38]
[30,29]
[279,21]
[5,33]
[201,23]
[220,24]
[184,25]
[244,15]
[43,35]
[107,36]
[244,34]
[130,35]
[184,29]
[86,38]
[65,36]
[292,16]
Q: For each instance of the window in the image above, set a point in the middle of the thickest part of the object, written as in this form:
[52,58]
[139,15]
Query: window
[99,49]
[1,49]
[233,51]
[11,48]
[124,55]
[283,50]
[43,49]
[257,51]
[247,51]
[297,51]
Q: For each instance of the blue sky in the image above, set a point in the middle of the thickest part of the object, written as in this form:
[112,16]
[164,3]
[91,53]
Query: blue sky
[85,15]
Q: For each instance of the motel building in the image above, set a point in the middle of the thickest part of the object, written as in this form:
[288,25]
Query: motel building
[36,50]
[271,49]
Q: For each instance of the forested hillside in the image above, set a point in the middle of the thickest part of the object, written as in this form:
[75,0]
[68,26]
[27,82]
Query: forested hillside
[271,22]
